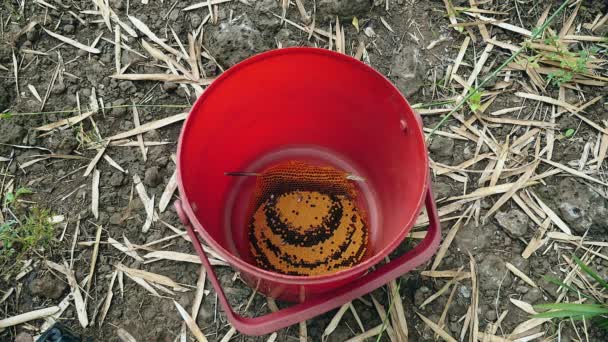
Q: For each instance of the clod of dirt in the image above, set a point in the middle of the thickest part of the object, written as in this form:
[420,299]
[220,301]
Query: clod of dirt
[582,207]
[442,190]
[407,70]
[421,294]
[10,132]
[68,29]
[5,97]
[62,142]
[493,272]
[514,221]
[127,87]
[234,42]
[117,179]
[47,286]
[471,237]
[490,315]
[345,9]
[442,146]
[195,20]
[266,21]
[169,86]
[24,337]
[532,296]
[152,178]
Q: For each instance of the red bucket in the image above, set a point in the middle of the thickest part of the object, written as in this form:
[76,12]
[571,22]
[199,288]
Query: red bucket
[304,104]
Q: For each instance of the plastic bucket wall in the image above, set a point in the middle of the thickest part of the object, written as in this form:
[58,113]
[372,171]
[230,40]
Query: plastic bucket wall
[298,99]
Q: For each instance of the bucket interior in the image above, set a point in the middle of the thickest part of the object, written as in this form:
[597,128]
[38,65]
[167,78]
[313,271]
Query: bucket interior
[309,105]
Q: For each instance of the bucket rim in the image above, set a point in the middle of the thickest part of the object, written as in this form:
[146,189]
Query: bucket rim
[252,270]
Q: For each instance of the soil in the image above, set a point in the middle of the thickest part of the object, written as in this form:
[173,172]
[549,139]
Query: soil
[244,28]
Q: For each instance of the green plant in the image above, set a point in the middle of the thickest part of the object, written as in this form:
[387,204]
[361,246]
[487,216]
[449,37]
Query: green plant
[11,197]
[17,239]
[595,310]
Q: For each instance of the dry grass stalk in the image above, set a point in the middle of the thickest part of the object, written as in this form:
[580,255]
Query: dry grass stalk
[521,275]
[574,172]
[79,303]
[150,126]
[527,325]
[28,316]
[516,186]
[204,4]
[370,333]
[382,313]
[151,277]
[388,27]
[125,336]
[303,336]
[506,26]
[437,329]
[143,28]
[95,193]
[95,160]
[500,164]
[93,259]
[537,240]
[272,337]
[443,290]
[333,324]
[553,216]
[108,301]
[200,292]
[524,306]
[446,274]
[165,198]
[474,324]
[133,254]
[64,123]
[532,123]
[444,313]
[448,241]
[7,294]
[140,282]
[139,137]
[72,42]
[34,92]
[228,335]
[548,100]
[397,313]
[177,256]
[113,163]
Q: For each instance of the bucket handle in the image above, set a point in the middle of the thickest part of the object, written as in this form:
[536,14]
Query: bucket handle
[320,304]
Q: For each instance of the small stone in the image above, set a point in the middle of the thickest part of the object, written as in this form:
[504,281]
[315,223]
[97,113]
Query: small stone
[127,86]
[465,291]
[491,315]
[119,107]
[24,337]
[522,289]
[152,178]
[195,20]
[116,219]
[69,29]
[420,295]
[407,71]
[493,273]
[582,207]
[10,132]
[47,286]
[169,86]
[117,179]
[442,146]
[532,296]
[32,36]
[471,237]
[514,221]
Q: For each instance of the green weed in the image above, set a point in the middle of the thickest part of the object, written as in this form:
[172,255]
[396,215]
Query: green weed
[596,311]
[17,239]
